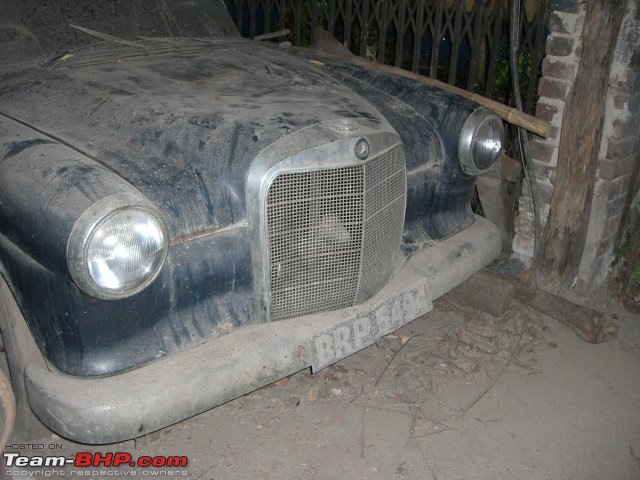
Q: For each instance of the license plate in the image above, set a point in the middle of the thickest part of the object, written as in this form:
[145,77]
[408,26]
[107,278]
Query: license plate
[363,328]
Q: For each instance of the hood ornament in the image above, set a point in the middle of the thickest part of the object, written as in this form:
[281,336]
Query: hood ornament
[361,149]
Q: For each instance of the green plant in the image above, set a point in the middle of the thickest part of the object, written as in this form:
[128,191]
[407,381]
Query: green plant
[372,53]
[308,26]
[503,70]
[626,259]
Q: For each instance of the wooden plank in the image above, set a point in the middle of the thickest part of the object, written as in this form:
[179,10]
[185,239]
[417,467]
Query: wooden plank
[485,292]
[327,46]
[492,292]
[588,324]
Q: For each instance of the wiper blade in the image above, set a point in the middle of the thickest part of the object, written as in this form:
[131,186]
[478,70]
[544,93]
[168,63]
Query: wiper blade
[106,37]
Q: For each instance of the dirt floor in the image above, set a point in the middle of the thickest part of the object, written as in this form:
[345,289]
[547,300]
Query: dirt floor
[456,394]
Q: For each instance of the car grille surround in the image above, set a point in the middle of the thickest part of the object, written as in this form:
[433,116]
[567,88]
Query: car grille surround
[333,234]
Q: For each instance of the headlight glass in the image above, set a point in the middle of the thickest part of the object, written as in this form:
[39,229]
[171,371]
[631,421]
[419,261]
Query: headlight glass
[125,250]
[487,143]
[481,141]
[117,246]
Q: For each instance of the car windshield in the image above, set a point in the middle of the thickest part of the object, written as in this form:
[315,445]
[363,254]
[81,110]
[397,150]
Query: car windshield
[33,29]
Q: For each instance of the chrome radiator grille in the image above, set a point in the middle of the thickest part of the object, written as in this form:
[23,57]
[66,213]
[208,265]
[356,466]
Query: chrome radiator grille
[334,234]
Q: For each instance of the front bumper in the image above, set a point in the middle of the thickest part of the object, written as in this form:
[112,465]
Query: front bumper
[136,402]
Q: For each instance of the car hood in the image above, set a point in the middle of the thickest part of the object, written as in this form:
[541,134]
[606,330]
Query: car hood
[181,120]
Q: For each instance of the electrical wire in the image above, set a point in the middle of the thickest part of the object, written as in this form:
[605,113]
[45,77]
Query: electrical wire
[523,136]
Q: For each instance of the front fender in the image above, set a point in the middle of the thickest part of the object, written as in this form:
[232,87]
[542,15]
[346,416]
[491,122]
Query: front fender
[44,188]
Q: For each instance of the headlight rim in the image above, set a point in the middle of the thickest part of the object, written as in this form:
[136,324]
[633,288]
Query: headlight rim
[472,124]
[85,228]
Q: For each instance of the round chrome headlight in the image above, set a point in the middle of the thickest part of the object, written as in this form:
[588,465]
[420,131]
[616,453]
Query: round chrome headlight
[117,247]
[481,141]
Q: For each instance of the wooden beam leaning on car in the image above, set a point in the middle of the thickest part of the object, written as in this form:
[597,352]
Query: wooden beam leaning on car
[328,46]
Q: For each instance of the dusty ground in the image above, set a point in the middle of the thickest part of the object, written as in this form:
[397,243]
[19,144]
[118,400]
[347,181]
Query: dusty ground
[456,394]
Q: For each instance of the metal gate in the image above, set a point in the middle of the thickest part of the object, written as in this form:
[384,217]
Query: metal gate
[461,42]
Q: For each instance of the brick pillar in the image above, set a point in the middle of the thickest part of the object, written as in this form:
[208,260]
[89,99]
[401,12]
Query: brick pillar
[559,69]
[619,144]
[618,152]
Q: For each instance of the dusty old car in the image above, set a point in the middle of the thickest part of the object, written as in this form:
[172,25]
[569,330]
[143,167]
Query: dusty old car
[187,215]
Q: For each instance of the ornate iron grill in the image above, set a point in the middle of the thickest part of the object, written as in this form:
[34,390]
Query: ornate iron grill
[461,42]
[334,234]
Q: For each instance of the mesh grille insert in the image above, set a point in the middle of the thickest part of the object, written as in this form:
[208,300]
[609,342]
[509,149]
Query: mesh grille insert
[334,234]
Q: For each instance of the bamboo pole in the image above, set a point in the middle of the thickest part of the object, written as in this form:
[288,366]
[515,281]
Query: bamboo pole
[326,48]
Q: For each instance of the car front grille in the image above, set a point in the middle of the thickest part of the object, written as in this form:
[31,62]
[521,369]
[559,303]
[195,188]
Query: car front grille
[334,234]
